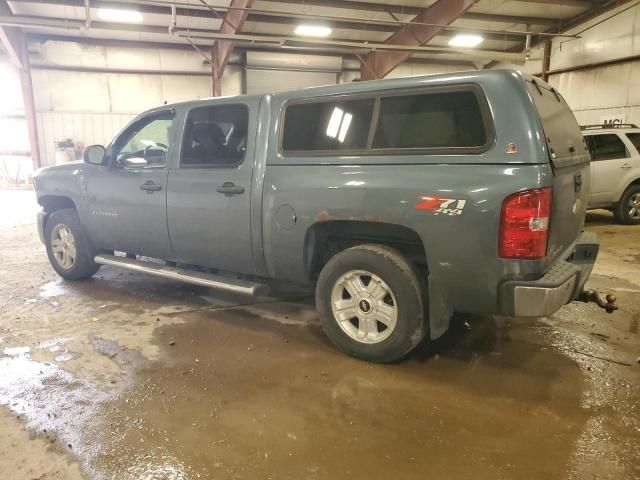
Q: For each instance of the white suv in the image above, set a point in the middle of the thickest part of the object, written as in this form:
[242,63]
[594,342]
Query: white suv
[615,170]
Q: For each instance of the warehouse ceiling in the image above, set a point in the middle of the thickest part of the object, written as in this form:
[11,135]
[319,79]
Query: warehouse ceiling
[356,27]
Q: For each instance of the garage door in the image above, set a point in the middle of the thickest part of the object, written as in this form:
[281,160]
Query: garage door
[269,72]
[269,81]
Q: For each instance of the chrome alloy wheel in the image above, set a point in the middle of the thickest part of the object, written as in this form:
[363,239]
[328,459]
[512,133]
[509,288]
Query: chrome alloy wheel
[364,306]
[63,246]
[634,206]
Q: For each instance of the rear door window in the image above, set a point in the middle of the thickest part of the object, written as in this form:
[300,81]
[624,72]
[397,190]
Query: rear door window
[215,136]
[635,139]
[327,126]
[607,146]
[446,120]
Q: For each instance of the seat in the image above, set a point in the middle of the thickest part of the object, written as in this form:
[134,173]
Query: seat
[206,145]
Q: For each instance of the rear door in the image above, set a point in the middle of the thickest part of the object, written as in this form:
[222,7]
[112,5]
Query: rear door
[209,188]
[569,159]
[609,159]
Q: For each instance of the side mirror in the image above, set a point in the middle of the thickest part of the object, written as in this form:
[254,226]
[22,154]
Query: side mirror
[94,154]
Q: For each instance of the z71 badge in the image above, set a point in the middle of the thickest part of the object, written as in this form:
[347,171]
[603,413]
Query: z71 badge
[440,205]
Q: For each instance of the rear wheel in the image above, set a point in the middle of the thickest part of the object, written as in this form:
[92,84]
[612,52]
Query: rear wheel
[69,250]
[627,211]
[371,302]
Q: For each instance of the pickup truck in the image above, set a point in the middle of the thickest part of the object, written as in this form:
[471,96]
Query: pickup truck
[402,201]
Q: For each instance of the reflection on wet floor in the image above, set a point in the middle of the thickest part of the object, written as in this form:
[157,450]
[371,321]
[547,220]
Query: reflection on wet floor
[236,396]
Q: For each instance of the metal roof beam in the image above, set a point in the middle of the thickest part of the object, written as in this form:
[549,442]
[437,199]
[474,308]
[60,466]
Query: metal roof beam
[266,16]
[232,23]
[598,10]
[10,37]
[567,3]
[378,64]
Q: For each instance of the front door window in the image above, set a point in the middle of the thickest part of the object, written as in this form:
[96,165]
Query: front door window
[146,143]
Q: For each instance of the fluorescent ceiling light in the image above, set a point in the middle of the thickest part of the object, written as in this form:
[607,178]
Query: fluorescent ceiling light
[346,122]
[466,40]
[334,122]
[119,15]
[312,31]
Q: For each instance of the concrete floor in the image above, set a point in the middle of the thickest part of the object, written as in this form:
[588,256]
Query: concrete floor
[129,377]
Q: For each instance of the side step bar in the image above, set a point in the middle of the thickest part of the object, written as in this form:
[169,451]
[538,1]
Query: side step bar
[234,285]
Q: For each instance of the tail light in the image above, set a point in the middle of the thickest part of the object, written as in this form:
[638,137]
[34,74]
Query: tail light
[524,224]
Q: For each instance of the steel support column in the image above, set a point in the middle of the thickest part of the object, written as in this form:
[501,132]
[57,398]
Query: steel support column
[232,23]
[546,60]
[15,44]
[444,12]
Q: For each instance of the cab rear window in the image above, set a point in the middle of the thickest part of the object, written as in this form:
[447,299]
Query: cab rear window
[328,126]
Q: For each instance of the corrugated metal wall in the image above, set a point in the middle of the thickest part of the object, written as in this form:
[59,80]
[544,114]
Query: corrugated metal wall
[84,128]
[90,107]
[608,91]
[593,91]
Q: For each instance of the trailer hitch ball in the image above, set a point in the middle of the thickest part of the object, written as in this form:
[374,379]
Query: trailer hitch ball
[608,303]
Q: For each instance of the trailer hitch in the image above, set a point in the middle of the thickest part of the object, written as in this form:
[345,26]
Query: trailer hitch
[609,302]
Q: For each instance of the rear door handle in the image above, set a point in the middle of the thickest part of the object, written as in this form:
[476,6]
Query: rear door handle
[626,166]
[230,188]
[150,186]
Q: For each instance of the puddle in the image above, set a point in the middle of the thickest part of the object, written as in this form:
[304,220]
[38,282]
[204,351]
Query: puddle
[16,351]
[58,405]
[67,356]
[53,289]
[54,344]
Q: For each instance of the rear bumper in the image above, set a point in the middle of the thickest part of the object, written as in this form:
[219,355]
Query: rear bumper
[560,285]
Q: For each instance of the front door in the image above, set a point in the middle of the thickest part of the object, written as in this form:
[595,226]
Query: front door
[209,188]
[127,209]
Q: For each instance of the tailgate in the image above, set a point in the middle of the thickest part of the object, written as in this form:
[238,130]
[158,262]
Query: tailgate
[569,159]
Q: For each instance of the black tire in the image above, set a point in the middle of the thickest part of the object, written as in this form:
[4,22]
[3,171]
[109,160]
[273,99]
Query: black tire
[622,210]
[83,265]
[407,287]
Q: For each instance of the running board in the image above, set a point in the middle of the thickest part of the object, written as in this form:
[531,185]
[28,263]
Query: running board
[184,275]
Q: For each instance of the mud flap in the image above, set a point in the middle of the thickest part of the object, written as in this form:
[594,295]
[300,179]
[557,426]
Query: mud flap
[439,312]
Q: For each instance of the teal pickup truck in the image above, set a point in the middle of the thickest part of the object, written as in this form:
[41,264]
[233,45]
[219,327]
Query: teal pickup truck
[403,201]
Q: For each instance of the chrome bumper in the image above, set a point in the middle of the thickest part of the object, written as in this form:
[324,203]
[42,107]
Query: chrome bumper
[530,301]
[561,284]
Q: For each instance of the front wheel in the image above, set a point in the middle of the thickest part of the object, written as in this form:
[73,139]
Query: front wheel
[69,250]
[627,211]
[371,303]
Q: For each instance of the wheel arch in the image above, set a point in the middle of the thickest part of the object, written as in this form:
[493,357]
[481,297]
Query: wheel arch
[325,239]
[53,203]
[632,183]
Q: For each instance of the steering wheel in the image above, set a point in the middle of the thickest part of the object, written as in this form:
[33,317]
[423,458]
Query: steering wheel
[158,146]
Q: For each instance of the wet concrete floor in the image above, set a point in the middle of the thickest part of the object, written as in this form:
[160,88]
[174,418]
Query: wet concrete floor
[130,377]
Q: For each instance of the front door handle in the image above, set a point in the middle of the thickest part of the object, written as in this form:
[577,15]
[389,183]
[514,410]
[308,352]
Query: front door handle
[230,188]
[626,166]
[150,186]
